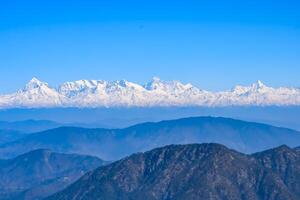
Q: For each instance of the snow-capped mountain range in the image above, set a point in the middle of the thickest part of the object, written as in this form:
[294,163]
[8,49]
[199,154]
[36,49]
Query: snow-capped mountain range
[94,93]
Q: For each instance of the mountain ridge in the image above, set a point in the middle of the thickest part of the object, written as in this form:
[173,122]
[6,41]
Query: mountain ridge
[99,93]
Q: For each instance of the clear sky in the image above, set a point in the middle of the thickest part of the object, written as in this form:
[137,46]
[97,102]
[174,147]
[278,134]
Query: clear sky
[212,44]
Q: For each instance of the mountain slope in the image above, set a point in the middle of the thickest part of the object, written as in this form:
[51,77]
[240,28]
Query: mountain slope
[41,172]
[285,162]
[206,171]
[112,144]
[9,136]
[99,93]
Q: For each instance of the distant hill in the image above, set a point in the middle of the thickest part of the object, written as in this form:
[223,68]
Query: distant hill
[32,126]
[121,117]
[29,126]
[205,171]
[40,173]
[112,144]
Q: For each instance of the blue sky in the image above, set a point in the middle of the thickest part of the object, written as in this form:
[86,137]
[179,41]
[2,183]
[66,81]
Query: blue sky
[212,44]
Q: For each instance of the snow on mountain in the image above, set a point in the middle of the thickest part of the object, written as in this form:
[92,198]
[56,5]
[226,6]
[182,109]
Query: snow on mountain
[34,94]
[99,93]
[260,94]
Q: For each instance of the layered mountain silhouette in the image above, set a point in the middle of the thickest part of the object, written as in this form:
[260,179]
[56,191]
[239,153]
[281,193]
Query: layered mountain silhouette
[113,144]
[193,172]
[39,173]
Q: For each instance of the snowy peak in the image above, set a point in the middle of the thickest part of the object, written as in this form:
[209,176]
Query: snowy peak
[99,93]
[35,94]
[35,80]
[173,86]
[259,85]
[73,88]
[256,87]
[129,85]
[155,84]
[37,87]
[34,83]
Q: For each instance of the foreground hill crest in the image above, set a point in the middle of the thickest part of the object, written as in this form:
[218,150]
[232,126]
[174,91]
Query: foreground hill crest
[194,171]
[99,93]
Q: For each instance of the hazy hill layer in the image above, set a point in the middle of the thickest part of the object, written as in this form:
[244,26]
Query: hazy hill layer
[112,144]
